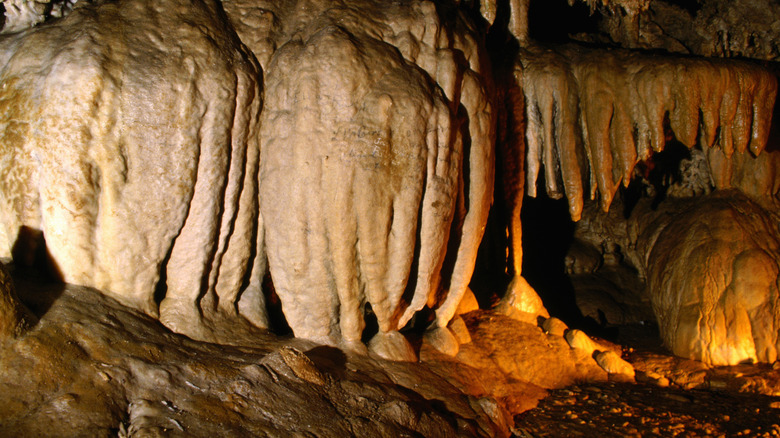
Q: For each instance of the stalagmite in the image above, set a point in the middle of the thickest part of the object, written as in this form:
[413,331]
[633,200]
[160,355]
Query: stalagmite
[723,307]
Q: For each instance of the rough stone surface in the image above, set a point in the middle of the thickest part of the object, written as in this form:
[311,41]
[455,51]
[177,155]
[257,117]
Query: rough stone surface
[14,317]
[129,154]
[93,367]
[741,28]
[722,308]
[366,178]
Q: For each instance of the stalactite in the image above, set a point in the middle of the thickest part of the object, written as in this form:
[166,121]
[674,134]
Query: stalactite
[625,101]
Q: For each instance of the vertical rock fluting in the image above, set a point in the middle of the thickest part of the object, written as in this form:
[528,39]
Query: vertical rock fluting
[128,133]
[618,104]
[132,149]
[377,168]
[711,268]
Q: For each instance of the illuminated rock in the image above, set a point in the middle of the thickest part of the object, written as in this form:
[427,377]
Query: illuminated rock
[714,277]
[364,177]
[614,103]
[713,287]
[614,364]
[129,140]
[135,153]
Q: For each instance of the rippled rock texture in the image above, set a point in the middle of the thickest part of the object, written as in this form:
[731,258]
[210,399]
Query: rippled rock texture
[139,158]
[193,159]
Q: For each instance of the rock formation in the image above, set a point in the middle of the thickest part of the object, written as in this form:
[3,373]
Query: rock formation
[140,160]
[615,104]
[189,162]
[14,317]
[741,28]
[364,175]
[136,154]
[597,114]
[714,278]
[130,143]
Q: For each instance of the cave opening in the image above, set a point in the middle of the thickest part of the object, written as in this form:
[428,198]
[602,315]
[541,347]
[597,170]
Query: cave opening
[553,21]
[548,232]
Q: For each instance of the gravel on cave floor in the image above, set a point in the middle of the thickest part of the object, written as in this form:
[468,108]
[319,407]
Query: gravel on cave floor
[638,410]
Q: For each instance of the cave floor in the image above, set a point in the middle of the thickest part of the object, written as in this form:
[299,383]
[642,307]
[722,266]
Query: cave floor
[92,367]
[671,397]
[643,410]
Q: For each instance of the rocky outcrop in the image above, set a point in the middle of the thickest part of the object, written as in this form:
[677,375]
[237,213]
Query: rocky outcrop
[134,152]
[14,317]
[129,140]
[119,373]
[714,281]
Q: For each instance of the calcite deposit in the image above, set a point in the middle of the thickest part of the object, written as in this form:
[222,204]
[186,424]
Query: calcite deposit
[709,266]
[364,176]
[129,153]
[621,107]
[352,181]
[195,175]
[723,308]
[598,114]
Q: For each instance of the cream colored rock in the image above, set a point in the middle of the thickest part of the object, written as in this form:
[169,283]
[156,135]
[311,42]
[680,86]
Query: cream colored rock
[522,302]
[577,339]
[392,346]
[154,189]
[129,140]
[554,326]
[443,340]
[614,364]
[460,330]
[22,14]
[713,277]
[362,167]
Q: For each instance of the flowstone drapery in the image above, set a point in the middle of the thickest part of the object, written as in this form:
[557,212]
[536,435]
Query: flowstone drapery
[137,154]
[129,150]
[174,153]
[711,269]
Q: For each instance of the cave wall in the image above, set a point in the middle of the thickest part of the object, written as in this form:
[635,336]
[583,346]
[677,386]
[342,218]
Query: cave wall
[173,153]
[170,153]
